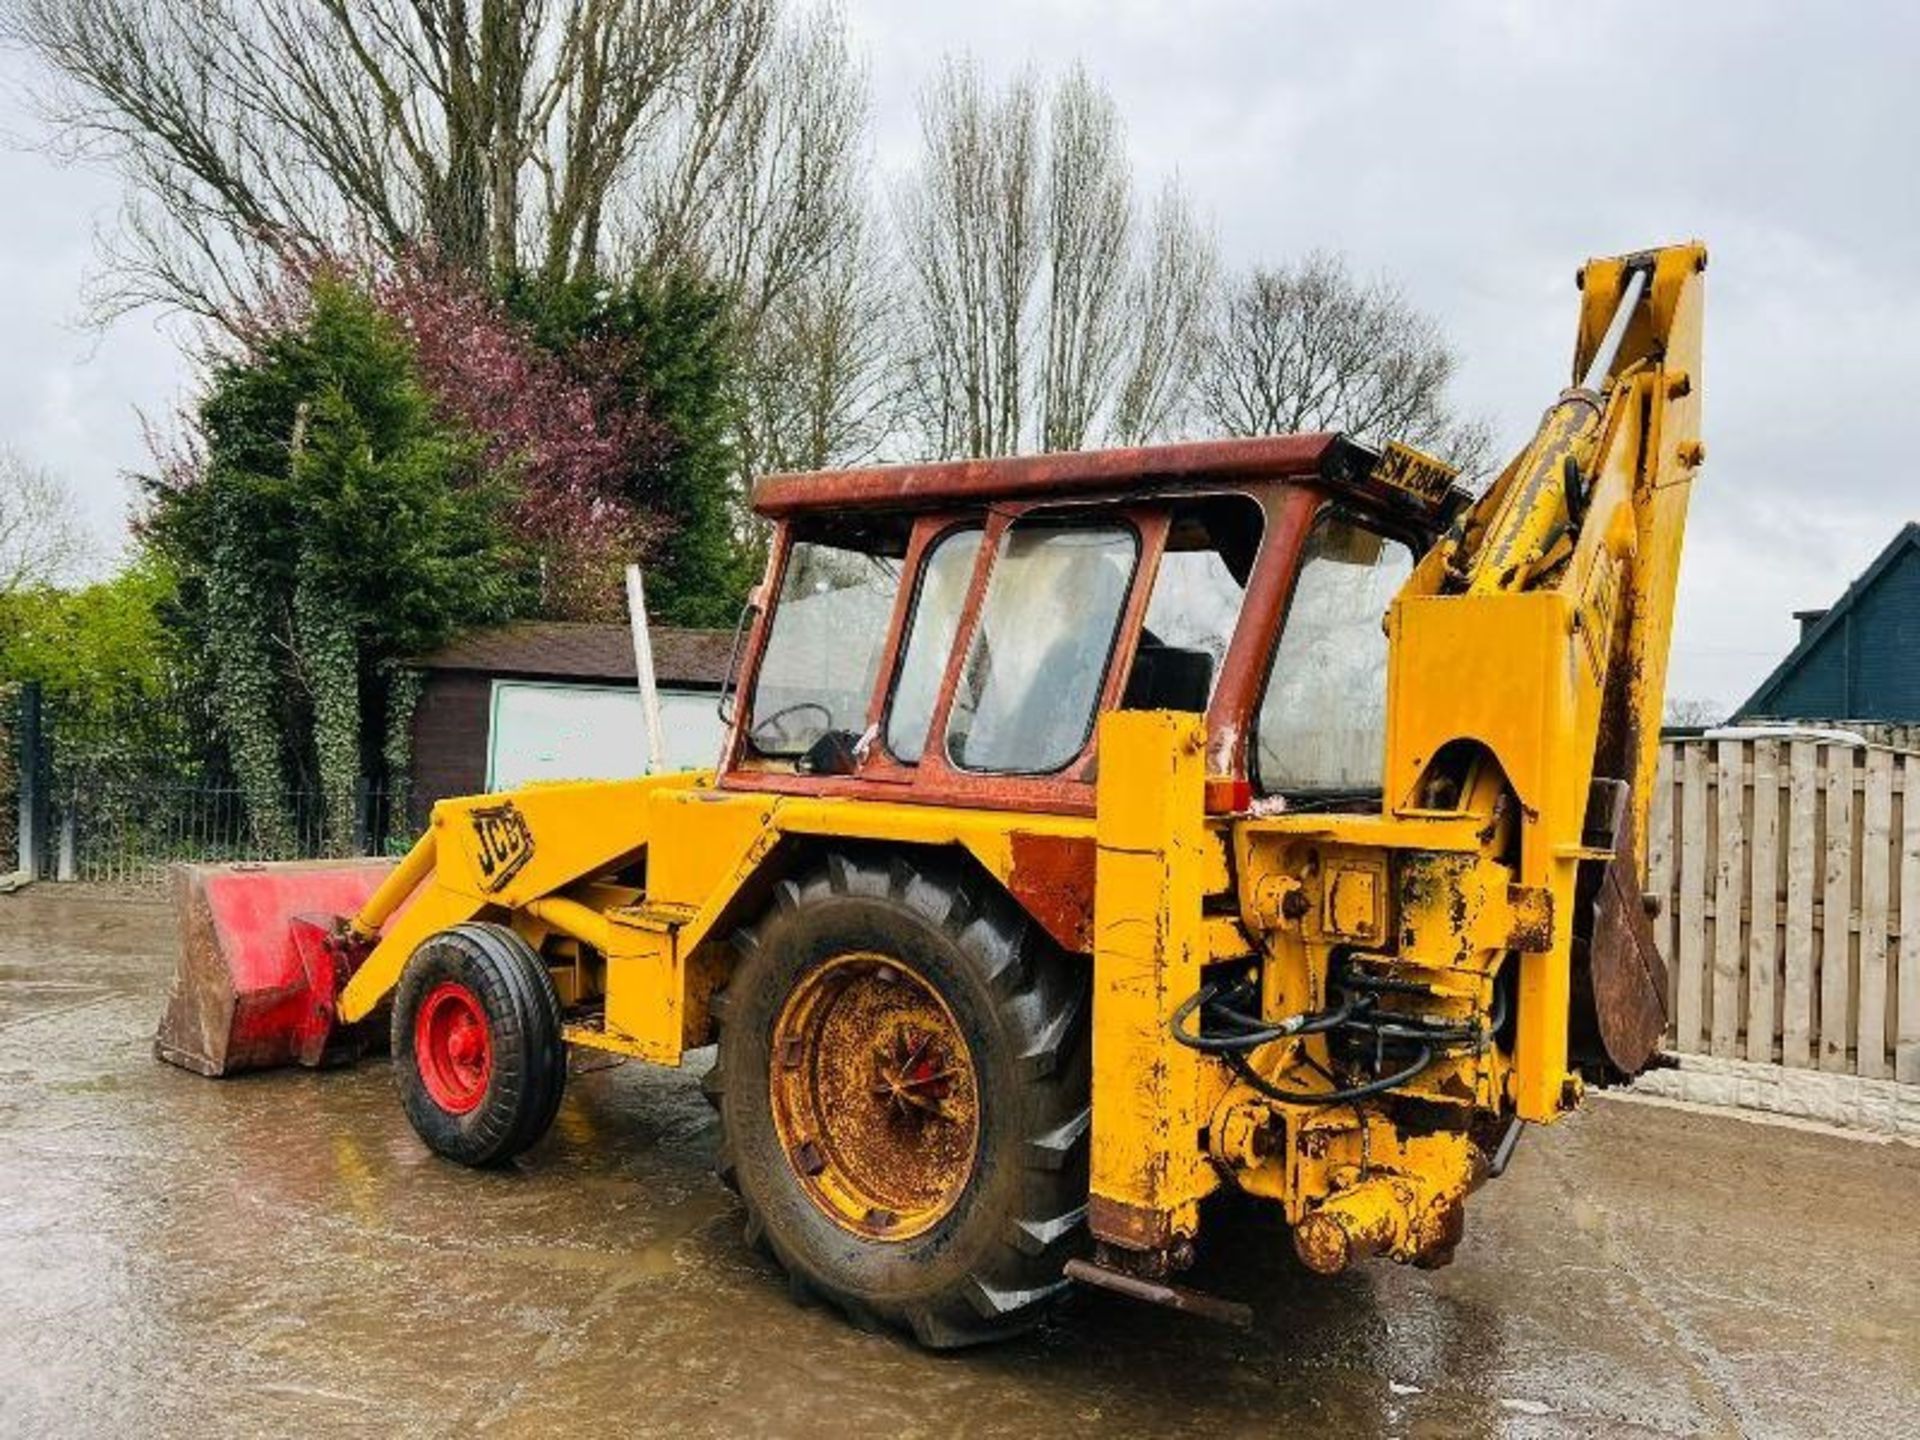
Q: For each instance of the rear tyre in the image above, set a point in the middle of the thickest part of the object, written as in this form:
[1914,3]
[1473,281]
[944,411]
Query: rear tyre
[903,1082]
[477,1046]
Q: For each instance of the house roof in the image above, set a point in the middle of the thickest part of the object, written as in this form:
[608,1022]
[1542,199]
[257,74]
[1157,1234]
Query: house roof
[559,649]
[1834,616]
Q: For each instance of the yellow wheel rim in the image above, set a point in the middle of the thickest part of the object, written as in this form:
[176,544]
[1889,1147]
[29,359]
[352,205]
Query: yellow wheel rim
[874,1095]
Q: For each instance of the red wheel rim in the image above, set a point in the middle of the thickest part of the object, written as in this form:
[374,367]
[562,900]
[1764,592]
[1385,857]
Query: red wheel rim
[453,1048]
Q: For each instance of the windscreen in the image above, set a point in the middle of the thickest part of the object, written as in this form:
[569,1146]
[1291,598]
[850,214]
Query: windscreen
[945,577]
[1025,699]
[829,628]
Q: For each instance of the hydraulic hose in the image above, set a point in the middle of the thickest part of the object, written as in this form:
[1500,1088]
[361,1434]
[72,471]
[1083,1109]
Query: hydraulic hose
[1241,1067]
[1223,1028]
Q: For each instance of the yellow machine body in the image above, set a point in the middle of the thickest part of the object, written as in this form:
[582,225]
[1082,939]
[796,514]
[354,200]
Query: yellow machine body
[1526,659]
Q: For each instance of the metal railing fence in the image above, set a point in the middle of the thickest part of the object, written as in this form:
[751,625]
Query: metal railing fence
[116,799]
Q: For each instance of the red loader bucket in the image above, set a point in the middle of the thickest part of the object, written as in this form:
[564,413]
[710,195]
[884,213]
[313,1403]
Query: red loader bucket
[260,962]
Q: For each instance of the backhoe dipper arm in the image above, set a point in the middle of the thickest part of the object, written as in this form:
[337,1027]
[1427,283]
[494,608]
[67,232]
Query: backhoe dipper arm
[1608,472]
[1534,637]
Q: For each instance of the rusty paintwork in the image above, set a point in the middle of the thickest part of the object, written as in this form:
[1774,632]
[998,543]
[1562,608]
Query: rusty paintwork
[1380,1217]
[1053,881]
[260,962]
[1142,1229]
[1619,979]
[1208,463]
[874,1096]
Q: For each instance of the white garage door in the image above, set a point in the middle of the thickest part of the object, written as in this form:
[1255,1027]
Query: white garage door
[592,732]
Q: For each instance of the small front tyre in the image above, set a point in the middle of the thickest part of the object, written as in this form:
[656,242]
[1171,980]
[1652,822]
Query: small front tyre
[477,1046]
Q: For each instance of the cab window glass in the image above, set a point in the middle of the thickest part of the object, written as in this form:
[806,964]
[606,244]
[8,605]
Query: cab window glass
[944,578]
[1322,724]
[829,627]
[1195,606]
[1025,699]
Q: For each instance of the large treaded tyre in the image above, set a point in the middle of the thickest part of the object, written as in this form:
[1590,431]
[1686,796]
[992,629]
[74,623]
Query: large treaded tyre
[988,1266]
[478,1052]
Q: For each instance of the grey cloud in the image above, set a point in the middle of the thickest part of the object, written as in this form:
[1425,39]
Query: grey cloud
[1476,152]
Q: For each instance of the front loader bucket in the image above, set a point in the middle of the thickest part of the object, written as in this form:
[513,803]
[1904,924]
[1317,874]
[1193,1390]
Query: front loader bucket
[260,962]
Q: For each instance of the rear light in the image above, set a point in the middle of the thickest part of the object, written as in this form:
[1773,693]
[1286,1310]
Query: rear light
[1228,796]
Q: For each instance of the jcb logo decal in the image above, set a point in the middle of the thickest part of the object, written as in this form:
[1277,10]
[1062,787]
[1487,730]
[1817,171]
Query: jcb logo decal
[502,844]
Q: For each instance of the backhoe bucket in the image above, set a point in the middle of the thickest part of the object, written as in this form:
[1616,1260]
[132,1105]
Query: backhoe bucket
[1619,979]
[262,959]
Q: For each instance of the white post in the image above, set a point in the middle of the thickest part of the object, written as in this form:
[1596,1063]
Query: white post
[643,668]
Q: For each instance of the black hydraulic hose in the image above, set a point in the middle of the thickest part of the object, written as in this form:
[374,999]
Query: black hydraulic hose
[1246,1072]
[1245,1039]
[1346,1015]
[1213,1000]
[1385,984]
[1413,1028]
[1251,1032]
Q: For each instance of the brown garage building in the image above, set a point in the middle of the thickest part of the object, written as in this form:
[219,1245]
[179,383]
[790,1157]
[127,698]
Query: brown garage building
[452,726]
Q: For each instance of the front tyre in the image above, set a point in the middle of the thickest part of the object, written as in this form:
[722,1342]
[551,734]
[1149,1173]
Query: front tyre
[903,1091]
[477,1047]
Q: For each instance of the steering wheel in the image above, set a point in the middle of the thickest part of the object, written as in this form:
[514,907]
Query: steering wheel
[781,736]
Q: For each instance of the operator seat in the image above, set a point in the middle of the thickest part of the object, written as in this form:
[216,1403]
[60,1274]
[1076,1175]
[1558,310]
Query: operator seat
[1168,677]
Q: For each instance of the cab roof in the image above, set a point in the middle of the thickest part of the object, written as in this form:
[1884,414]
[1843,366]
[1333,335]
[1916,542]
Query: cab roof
[1400,478]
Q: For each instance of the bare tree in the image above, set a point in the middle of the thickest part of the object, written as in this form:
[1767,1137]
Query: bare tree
[41,538]
[1089,224]
[816,383]
[499,134]
[969,232]
[1307,347]
[1039,314]
[1168,311]
[791,237]
[1691,714]
[788,172]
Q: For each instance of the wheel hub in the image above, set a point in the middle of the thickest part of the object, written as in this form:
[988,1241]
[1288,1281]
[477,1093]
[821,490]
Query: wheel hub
[874,1096]
[453,1047]
[914,1075]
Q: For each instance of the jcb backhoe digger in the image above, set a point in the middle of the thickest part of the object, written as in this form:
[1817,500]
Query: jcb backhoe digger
[1094,832]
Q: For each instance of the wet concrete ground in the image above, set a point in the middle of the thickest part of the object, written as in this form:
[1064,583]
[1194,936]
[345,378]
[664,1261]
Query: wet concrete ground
[277,1255]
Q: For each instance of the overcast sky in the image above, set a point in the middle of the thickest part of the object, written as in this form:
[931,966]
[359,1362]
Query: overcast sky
[1475,153]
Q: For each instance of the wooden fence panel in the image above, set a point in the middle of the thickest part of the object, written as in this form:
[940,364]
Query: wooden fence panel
[1789,879]
[1729,893]
[1906,1059]
[1876,858]
[1836,910]
[1691,944]
[1763,929]
[1796,1023]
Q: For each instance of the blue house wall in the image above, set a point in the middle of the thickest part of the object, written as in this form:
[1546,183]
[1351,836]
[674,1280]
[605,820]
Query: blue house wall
[1861,661]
